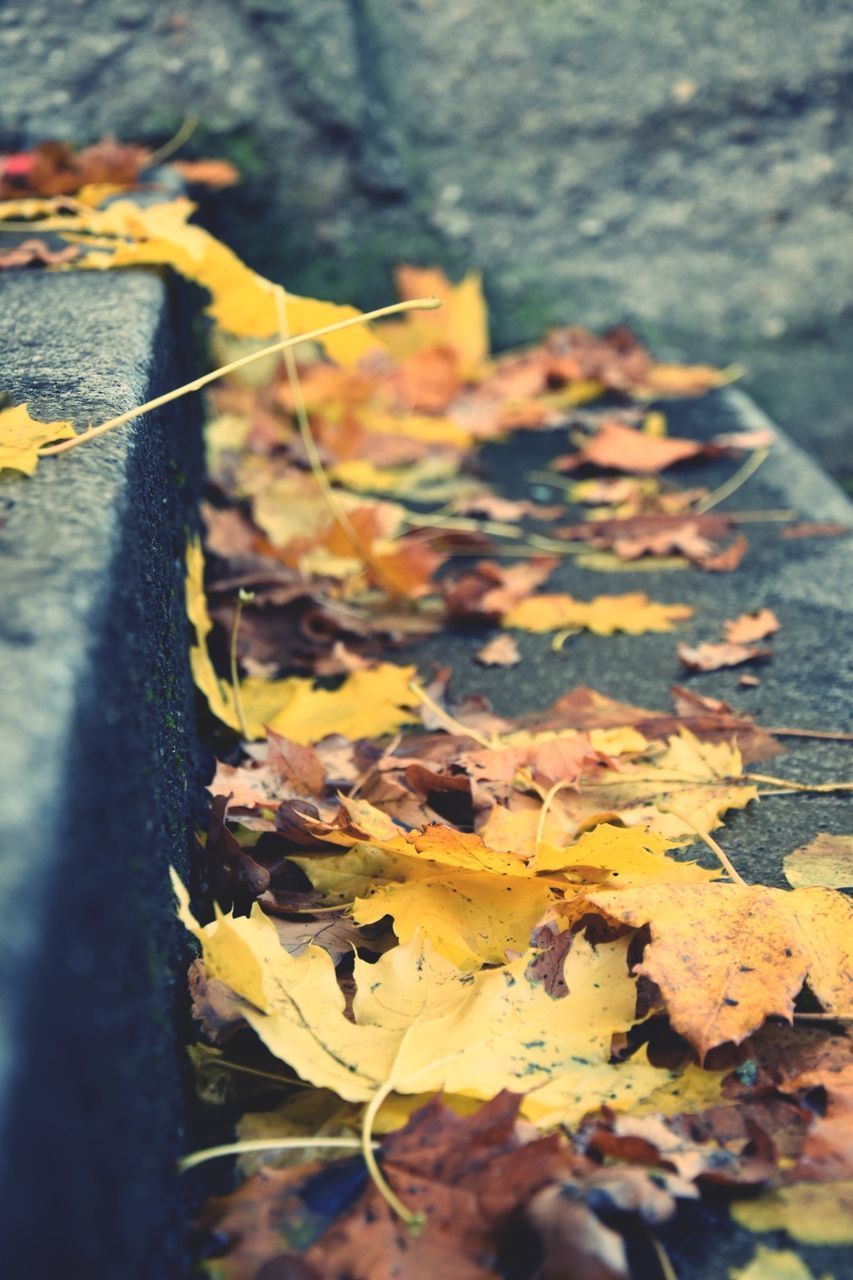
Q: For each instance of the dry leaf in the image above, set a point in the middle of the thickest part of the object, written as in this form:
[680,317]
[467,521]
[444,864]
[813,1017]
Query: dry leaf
[21,437]
[815,529]
[502,651]
[726,957]
[634,614]
[711,657]
[242,302]
[826,860]
[624,449]
[811,1212]
[751,626]
[421,1025]
[35,253]
[774,1264]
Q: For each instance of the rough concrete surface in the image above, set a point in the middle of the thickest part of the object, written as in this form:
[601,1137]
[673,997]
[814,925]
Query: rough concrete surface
[684,167]
[97,786]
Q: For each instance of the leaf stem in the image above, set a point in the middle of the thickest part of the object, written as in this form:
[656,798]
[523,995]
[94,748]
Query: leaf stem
[456,725]
[412,1220]
[740,477]
[711,843]
[416,304]
[183,134]
[243,597]
[267,1144]
[546,806]
[827,787]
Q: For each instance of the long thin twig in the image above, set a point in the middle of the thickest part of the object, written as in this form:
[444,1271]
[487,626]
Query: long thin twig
[416,304]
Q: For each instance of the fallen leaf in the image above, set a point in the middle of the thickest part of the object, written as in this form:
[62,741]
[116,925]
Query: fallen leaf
[711,657]
[489,590]
[815,529]
[242,302]
[729,558]
[21,437]
[502,651]
[811,1212]
[774,1264]
[751,626]
[36,253]
[726,956]
[421,1025]
[625,449]
[826,860]
[654,535]
[207,173]
[634,614]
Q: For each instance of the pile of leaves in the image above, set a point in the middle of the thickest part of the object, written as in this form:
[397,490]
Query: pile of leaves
[500,1018]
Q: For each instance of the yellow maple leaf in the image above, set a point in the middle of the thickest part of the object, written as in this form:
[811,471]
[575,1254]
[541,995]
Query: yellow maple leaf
[421,1025]
[462,323]
[634,613]
[21,437]
[774,1264]
[474,915]
[626,857]
[242,302]
[470,917]
[369,703]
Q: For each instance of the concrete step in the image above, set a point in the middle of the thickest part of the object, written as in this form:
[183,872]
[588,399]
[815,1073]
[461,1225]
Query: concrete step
[98,779]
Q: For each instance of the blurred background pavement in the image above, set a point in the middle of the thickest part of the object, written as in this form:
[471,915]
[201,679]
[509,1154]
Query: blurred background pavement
[682,167]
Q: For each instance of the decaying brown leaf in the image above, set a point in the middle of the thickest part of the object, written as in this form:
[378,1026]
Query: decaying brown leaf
[501,651]
[751,626]
[726,956]
[709,656]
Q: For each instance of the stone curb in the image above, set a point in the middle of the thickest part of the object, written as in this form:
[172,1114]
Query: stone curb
[98,781]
